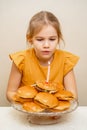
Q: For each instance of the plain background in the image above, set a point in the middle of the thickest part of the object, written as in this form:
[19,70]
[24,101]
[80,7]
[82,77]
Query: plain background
[14,19]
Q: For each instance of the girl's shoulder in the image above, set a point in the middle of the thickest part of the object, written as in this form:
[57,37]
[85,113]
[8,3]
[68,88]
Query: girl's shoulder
[20,57]
[22,53]
[68,59]
[66,54]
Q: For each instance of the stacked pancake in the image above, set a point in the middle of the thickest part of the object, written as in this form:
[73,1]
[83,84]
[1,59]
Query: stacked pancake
[44,96]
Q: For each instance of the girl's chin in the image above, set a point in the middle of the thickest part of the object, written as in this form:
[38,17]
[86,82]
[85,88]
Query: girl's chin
[45,59]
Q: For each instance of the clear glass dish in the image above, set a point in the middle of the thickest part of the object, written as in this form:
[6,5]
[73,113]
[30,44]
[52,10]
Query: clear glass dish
[45,117]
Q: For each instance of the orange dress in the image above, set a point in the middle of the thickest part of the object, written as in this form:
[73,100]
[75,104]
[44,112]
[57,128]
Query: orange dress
[28,64]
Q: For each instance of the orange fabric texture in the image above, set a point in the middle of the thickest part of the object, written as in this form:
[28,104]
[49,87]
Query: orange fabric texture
[32,71]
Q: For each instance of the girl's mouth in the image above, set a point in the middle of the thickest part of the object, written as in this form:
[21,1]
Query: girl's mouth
[45,52]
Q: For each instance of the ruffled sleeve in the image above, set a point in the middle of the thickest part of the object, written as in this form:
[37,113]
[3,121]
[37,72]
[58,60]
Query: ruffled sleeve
[70,61]
[18,59]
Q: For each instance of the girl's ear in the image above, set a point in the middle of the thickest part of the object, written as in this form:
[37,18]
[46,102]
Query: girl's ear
[31,42]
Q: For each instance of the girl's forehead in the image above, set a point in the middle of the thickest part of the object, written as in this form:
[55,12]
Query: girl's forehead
[47,30]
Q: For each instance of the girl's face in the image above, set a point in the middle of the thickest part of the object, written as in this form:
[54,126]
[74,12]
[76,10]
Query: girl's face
[45,43]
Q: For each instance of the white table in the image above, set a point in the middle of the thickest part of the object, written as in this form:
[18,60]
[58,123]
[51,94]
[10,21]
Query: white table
[11,119]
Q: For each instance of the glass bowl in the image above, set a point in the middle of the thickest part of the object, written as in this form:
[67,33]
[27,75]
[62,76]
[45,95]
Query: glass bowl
[45,117]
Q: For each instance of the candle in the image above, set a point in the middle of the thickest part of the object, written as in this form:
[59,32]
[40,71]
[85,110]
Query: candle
[48,72]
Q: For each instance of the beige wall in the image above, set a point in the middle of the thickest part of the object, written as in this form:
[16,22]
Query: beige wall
[14,17]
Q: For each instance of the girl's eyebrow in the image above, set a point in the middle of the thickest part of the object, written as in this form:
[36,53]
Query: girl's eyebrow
[38,37]
[49,36]
[53,36]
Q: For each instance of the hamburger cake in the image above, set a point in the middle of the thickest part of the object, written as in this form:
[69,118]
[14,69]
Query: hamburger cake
[32,107]
[25,94]
[62,106]
[64,95]
[50,87]
[47,100]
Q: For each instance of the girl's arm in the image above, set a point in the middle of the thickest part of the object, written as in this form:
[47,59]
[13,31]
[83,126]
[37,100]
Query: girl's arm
[14,82]
[70,83]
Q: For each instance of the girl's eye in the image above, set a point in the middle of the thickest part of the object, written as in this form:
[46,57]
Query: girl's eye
[39,39]
[52,39]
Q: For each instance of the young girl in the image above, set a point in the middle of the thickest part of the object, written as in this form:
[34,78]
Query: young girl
[31,65]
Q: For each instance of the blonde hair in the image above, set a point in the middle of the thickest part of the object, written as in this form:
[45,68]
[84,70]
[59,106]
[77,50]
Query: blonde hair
[39,20]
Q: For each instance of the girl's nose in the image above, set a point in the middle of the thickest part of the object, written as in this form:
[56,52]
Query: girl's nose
[46,44]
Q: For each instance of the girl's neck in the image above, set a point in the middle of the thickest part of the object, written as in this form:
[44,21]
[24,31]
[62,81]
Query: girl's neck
[45,62]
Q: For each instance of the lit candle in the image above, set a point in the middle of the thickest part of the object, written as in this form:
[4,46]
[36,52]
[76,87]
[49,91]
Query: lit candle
[48,72]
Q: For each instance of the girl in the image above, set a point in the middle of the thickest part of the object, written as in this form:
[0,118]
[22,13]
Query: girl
[29,66]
